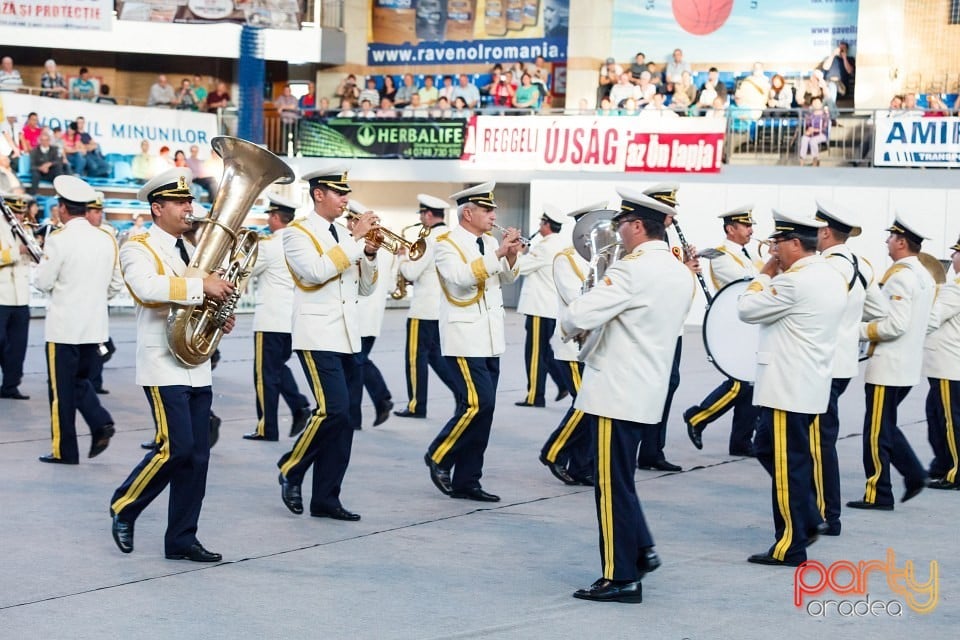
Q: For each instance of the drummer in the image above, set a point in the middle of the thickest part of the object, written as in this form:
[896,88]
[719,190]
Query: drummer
[735,262]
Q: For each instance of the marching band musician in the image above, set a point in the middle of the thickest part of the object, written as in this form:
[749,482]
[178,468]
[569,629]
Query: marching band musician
[472,266]
[423,330]
[736,263]
[538,303]
[331,268]
[15,264]
[895,365]
[941,366]
[864,301]
[179,396]
[641,303]
[80,271]
[568,451]
[798,301]
[95,216]
[272,321]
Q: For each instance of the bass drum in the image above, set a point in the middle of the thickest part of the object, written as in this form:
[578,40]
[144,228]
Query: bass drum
[731,343]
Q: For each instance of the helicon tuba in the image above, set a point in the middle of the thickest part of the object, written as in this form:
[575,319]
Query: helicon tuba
[193,333]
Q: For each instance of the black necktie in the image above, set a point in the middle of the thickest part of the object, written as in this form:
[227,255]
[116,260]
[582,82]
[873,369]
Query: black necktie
[746,253]
[480,245]
[183,251]
[333,232]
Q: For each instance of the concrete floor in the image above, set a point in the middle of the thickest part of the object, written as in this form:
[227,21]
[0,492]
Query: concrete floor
[420,565]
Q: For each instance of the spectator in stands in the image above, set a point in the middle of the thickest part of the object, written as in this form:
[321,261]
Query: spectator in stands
[52,83]
[656,74]
[460,109]
[466,90]
[645,90]
[816,128]
[57,142]
[367,112]
[442,109]
[415,109]
[164,160]
[428,93]
[30,134]
[674,71]
[308,102]
[814,86]
[287,106]
[76,155]
[781,94]
[516,73]
[839,70]
[83,87]
[936,108]
[446,91]
[144,165]
[200,92]
[751,94]
[10,79]
[201,172]
[386,109]
[638,66]
[711,90]
[96,165]
[105,97]
[610,72]
[389,89]
[179,158]
[896,107]
[539,80]
[629,108]
[348,88]
[346,108]
[323,109]
[45,162]
[370,92]
[623,89]
[161,93]
[910,107]
[527,96]
[185,99]
[218,99]
[606,107]
[538,68]
[502,91]
[494,74]
[9,182]
[684,94]
[406,92]
[657,108]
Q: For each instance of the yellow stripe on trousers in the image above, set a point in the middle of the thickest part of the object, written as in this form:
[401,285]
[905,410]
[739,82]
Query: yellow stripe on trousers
[303,442]
[781,479]
[160,456]
[258,374]
[817,457]
[575,376]
[951,475]
[605,484]
[54,398]
[412,336]
[716,407]
[473,408]
[876,417]
[534,364]
[565,433]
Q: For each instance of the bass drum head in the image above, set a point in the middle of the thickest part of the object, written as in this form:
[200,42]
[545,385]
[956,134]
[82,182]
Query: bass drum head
[731,344]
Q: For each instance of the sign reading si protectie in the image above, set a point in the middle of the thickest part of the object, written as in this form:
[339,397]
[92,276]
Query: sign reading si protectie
[409,139]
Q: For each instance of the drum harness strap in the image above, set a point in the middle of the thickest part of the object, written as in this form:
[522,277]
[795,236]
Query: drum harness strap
[857,274]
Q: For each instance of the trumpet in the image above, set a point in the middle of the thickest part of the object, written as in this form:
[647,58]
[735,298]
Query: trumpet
[394,242]
[400,291]
[524,241]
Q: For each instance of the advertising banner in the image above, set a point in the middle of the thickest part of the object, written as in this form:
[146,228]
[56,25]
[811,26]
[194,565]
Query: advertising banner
[63,14]
[269,14]
[118,129]
[425,32]
[600,143]
[408,139]
[917,142]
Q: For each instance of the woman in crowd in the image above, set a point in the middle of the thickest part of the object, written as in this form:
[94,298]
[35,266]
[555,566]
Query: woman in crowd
[527,95]
[684,94]
[816,128]
[781,94]
[389,89]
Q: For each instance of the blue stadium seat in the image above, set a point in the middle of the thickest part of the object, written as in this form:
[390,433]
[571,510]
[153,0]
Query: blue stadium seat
[122,170]
[23,166]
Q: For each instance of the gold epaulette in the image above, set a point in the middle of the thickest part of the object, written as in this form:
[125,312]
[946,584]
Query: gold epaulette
[140,237]
[443,236]
[632,256]
[894,269]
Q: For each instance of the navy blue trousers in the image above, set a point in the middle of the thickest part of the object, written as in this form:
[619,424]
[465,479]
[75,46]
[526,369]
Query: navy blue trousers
[14,330]
[326,442]
[182,417]
[731,394]
[826,466]
[423,349]
[884,444]
[539,360]
[943,430]
[570,444]
[462,442]
[372,379]
[69,391]
[272,379]
[655,439]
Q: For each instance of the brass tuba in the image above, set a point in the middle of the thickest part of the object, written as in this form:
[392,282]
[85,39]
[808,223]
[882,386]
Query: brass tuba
[193,333]
[400,291]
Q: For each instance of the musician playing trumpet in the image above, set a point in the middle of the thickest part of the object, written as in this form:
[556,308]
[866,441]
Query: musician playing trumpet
[14,298]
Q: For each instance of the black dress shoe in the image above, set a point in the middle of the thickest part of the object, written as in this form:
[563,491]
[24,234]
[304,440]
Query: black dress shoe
[474,493]
[103,392]
[660,465]
[383,412]
[440,477]
[604,590]
[561,394]
[100,441]
[196,553]
[290,494]
[149,446]
[300,420]
[766,558]
[339,513]
[833,529]
[406,413]
[558,471]
[943,483]
[524,403]
[912,491]
[14,395]
[122,534]
[863,504]
[54,460]
[214,428]
[814,534]
[647,562]
[695,433]
[257,436]
[586,481]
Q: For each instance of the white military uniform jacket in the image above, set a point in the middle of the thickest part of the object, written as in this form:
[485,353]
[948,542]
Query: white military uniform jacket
[371,308]
[538,295]
[799,312]
[941,351]
[865,301]
[732,265]
[14,270]
[274,307]
[898,350]
[641,303]
[471,315]
[153,271]
[426,297]
[80,271]
[569,272]
[330,276]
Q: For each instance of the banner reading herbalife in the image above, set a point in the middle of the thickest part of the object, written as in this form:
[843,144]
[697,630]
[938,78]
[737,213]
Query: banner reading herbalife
[346,138]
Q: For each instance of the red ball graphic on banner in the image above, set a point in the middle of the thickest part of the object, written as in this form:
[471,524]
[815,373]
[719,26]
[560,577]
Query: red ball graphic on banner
[701,17]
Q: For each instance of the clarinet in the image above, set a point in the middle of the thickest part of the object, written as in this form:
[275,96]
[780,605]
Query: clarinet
[686,252]
[28,241]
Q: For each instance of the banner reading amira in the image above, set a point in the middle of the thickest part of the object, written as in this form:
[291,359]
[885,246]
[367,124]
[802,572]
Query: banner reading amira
[408,139]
